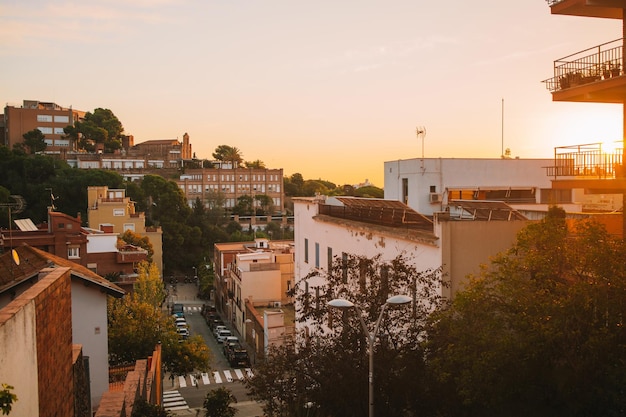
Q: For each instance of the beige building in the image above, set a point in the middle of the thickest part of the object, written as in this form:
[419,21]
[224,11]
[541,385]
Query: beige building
[111,207]
[259,272]
[233,183]
[49,118]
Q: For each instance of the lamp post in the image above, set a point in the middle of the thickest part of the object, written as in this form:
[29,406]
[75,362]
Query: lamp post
[344,304]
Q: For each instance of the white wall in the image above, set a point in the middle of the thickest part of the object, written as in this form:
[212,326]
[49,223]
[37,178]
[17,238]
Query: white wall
[89,328]
[102,243]
[18,359]
[446,173]
[365,241]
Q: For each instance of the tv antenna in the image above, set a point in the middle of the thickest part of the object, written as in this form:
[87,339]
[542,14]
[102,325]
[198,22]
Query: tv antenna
[17,206]
[420,132]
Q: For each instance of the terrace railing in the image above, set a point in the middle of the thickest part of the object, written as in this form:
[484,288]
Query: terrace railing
[598,63]
[589,161]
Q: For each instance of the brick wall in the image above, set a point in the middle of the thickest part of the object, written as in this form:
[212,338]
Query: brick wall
[54,346]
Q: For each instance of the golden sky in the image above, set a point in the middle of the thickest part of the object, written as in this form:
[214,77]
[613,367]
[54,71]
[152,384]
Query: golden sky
[329,89]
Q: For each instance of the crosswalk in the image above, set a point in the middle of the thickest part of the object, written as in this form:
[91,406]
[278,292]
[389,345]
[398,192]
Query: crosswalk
[215,377]
[173,401]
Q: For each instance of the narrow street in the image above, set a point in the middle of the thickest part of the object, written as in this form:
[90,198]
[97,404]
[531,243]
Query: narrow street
[184,395]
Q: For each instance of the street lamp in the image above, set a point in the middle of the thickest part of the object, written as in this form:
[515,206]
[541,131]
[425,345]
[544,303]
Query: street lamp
[344,304]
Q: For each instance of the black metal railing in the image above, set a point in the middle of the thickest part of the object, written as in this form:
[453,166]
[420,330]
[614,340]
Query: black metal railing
[598,63]
[588,160]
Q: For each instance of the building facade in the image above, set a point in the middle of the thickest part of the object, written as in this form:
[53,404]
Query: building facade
[112,210]
[456,243]
[48,117]
[595,74]
[260,273]
[232,183]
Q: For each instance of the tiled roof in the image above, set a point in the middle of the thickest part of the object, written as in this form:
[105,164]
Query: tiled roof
[32,260]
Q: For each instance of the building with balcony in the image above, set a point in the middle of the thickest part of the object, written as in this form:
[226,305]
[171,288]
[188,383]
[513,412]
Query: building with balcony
[592,75]
[64,237]
[112,210]
[259,273]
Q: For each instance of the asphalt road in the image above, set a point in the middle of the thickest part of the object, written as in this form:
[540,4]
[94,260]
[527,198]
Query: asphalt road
[194,395]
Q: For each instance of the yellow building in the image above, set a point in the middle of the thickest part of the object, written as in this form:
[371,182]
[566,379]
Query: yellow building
[112,207]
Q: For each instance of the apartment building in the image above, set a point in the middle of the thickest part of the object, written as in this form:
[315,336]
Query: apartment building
[594,74]
[112,210]
[233,183]
[457,241]
[50,118]
[259,272]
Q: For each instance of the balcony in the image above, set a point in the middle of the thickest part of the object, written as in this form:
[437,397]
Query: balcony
[594,75]
[611,9]
[588,166]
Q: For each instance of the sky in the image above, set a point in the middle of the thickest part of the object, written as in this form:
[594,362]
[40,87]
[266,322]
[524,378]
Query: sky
[328,89]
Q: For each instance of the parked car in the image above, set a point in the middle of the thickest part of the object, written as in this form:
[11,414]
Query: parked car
[238,356]
[229,342]
[218,328]
[183,333]
[222,335]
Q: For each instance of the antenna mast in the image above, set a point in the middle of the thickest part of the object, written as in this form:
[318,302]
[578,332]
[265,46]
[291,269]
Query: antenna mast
[420,132]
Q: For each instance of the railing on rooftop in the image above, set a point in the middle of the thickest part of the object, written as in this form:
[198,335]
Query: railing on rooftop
[553,2]
[598,63]
[588,160]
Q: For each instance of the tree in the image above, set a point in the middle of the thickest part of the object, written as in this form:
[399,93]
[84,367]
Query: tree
[266,204]
[7,398]
[137,324]
[35,141]
[99,127]
[328,364]
[143,408]
[143,242]
[229,154]
[217,403]
[256,164]
[540,332]
[244,205]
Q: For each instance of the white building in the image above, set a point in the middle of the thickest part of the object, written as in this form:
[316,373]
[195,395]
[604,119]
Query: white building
[427,185]
[457,242]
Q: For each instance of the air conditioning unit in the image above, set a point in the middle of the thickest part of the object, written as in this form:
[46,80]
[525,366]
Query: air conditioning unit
[277,304]
[435,198]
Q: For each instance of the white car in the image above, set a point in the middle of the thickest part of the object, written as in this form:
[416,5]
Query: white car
[217,329]
[222,335]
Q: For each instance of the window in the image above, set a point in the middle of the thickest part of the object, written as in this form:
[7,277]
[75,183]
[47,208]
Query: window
[44,118]
[433,188]
[329,255]
[129,226]
[405,190]
[61,119]
[45,130]
[118,212]
[58,131]
[73,252]
[306,250]
[317,255]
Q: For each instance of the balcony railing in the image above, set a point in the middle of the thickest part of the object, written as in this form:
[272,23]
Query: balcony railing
[589,161]
[590,65]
